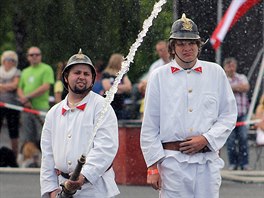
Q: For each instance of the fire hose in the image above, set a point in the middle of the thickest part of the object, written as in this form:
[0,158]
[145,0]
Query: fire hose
[66,193]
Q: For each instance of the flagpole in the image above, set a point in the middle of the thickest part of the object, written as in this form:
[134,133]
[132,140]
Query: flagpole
[219,17]
[255,63]
[256,90]
[175,10]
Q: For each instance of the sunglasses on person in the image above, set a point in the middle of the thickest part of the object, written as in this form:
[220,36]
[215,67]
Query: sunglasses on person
[35,54]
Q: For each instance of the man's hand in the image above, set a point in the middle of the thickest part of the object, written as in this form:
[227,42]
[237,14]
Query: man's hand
[153,177]
[154,181]
[193,144]
[75,185]
[241,88]
[54,193]
[25,102]
[2,90]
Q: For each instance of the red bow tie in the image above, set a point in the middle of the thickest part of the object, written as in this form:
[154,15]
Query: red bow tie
[174,69]
[199,69]
[81,107]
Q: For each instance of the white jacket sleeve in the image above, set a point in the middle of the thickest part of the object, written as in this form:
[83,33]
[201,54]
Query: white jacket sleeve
[105,146]
[149,139]
[48,177]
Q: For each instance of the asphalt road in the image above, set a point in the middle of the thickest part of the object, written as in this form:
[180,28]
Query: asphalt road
[25,184]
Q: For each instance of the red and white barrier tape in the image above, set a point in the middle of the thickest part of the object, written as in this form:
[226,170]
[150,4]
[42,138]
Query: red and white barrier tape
[24,109]
[249,122]
[43,113]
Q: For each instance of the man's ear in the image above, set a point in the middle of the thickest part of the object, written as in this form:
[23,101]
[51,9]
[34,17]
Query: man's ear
[66,78]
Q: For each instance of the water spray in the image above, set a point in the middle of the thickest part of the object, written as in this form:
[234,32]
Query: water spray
[125,66]
[110,94]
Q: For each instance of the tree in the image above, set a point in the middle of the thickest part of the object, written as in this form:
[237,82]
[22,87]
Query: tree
[99,27]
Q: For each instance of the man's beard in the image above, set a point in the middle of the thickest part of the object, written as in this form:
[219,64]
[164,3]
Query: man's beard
[77,90]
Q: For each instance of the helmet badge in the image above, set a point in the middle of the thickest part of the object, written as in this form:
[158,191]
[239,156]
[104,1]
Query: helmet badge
[186,25]
[80,55]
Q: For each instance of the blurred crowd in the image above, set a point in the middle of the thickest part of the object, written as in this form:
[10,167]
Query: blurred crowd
[39,87]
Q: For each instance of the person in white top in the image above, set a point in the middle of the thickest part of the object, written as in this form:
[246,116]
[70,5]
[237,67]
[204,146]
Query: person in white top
[164,58]
[162,51]
[68,131]
[190,110]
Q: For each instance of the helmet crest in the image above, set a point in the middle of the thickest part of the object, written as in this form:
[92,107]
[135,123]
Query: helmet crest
[80,55]
[186,25]
[184,28]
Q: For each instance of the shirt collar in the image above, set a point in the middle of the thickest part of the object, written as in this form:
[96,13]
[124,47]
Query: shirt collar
[176,68]
[66,108]
[63,110]
[81,106]
[198,69]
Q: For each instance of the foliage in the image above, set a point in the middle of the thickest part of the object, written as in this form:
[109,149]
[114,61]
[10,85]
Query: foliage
[158,31]
[6,33]
[99,27]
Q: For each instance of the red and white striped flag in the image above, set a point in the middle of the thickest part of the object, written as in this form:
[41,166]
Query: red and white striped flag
[236,9]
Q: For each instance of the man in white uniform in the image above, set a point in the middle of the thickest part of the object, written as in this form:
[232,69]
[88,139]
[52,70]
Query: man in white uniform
[190,110]
[67,132]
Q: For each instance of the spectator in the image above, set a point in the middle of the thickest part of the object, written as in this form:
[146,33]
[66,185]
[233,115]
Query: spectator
[68,133]
[98,87]
[142,89]
[260,126]
[33,92]
[237,142]
[9,78]
[190,110]
[7,158]
[59,90]
[30,156]
[124,88]
[164,58]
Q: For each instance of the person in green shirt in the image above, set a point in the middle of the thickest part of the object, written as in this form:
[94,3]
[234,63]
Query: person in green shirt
[33,92]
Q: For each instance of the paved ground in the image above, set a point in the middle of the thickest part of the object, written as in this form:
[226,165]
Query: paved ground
[26,185]
[18,184]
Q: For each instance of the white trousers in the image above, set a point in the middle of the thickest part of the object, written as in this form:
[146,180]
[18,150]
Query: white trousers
[190,180]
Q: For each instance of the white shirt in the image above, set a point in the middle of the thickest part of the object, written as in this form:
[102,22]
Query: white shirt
[182,103]
[65,138]
[158,63]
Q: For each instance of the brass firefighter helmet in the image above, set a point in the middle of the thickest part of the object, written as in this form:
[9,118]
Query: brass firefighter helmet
[184,28]
[79,58]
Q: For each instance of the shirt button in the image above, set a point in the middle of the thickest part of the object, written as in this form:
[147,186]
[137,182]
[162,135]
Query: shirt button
[189,71]
[191,129]
[69,163]
[72,110]
[190,110]
[190,90]
[69,136]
